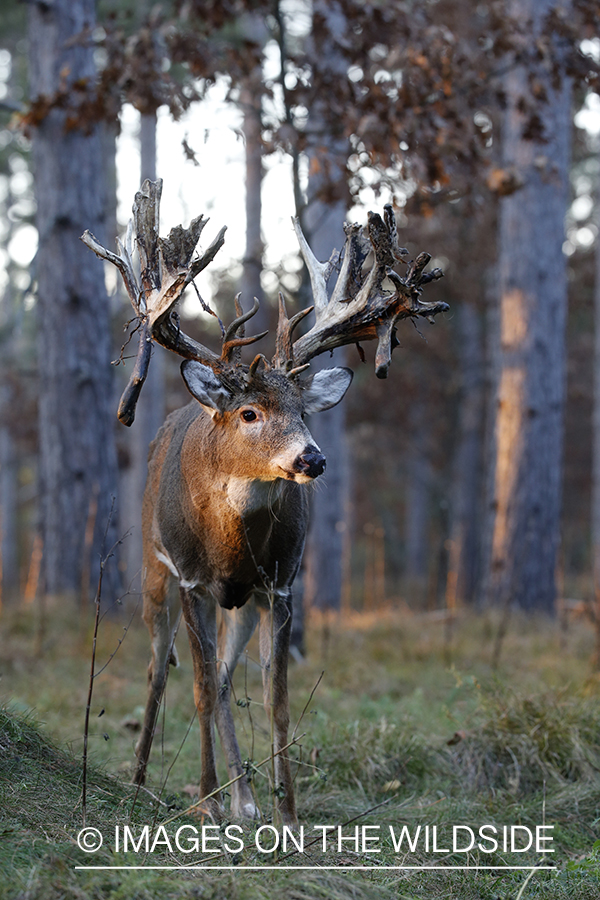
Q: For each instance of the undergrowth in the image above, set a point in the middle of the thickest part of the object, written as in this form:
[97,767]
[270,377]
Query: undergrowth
[457,745]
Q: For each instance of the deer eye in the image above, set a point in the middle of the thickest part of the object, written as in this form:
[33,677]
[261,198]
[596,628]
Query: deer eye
[248,415]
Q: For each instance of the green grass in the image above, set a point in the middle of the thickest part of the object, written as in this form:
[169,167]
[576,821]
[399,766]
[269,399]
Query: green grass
[402,730]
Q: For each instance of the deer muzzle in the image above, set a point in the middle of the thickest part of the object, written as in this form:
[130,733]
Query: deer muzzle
[310,462]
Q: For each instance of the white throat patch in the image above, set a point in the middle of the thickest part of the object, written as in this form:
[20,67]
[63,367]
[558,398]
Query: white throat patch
[247,495]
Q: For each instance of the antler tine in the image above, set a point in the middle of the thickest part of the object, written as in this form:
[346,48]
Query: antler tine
[241,319]
[252,369]
[284,356]
[129,397]
[360,307]
[235,352]
[231,343]
[166,269]
[317,271]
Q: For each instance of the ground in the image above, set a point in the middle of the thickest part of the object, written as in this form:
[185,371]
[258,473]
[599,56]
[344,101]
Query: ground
[407,727]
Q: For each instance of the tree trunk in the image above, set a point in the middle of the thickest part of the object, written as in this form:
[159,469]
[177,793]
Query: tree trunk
[324,548]
[250,102]
[150,410]
[11,349]
[78,472]
[525,501]
[417,506]
[464,552]
[595,516]
[324,221]
[9,568]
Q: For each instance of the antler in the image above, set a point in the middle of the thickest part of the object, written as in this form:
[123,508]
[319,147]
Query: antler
[167,268]
[360,308]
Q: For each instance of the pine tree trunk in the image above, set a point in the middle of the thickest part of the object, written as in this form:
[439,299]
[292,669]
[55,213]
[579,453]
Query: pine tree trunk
[11,349]
[9,569]
[250,102]
[529,397]
[323,223]
[595,516]
[78,473]
[150,410]
[466,509]
[324,548]
[417,504]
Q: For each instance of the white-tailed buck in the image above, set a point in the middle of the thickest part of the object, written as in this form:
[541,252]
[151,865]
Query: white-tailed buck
[226,507]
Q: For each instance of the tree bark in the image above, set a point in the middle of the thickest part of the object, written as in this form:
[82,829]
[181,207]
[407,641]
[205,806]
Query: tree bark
[250,102]
[417,505]
[150,409]
[464,552]
[525,500]
[324,547]
[78,471]
[595,516]
[9,568]
[324,221]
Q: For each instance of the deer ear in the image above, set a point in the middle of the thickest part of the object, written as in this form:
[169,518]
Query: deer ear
[326,389]
[204,385]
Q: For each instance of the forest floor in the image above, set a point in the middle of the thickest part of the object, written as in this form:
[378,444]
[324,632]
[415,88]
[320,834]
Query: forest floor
[408,728]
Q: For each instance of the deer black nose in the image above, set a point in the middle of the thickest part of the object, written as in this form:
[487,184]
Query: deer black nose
[311,462]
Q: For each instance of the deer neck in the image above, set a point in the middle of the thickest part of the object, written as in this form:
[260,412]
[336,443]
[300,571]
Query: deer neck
[246,495]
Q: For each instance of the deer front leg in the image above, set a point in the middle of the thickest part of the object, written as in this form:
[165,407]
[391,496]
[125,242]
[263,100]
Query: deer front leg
[275,628]
[236,629]
[162,625]
[199,612]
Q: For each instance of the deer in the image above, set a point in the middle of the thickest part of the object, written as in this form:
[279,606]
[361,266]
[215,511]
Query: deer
[225,510]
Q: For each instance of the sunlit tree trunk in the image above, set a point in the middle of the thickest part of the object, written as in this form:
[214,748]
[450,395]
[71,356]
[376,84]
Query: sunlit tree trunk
[525,501]
[78,478]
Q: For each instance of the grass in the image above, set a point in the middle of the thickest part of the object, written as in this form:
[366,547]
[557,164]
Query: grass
[399,733]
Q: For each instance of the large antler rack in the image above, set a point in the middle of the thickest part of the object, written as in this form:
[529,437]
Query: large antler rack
[361,307]
[368,299]
[167,267]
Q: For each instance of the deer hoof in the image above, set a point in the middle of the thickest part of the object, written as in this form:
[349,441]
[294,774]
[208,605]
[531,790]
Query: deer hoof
[249,811]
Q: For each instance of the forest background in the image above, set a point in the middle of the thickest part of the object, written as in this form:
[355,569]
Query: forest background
[463,489]
[469,478]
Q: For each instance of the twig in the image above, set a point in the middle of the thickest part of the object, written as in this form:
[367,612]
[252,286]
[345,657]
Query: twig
[307,704]
[120,641]
[97,602]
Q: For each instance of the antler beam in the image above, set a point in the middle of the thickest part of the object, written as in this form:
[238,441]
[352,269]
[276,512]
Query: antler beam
[361,307]
[167,268]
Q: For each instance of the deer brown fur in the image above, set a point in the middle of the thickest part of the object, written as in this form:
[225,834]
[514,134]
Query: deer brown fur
[226,507]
